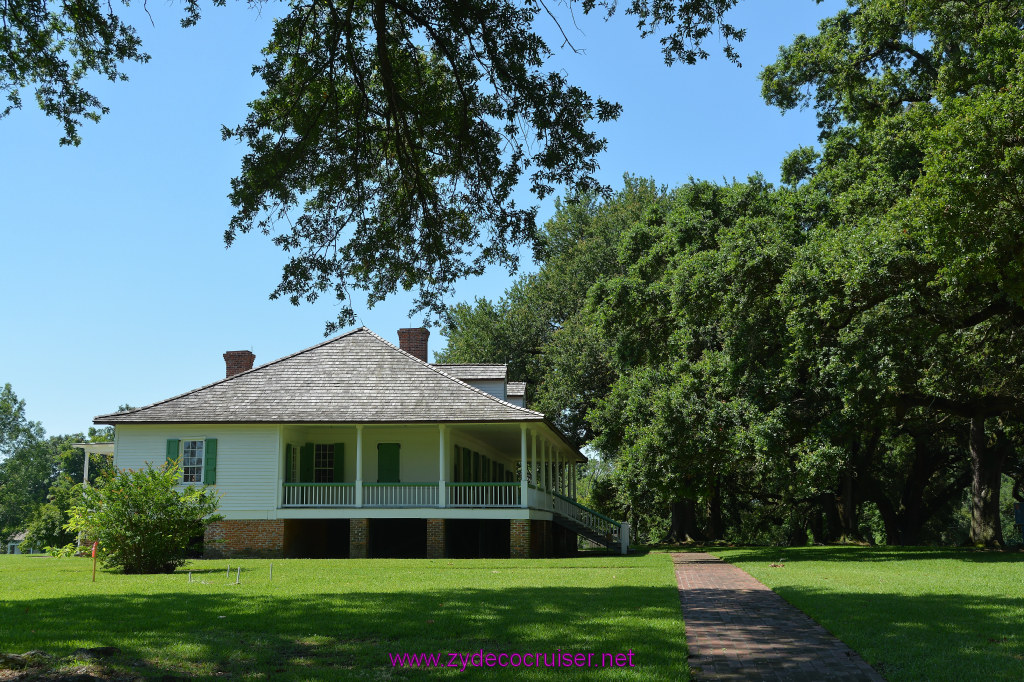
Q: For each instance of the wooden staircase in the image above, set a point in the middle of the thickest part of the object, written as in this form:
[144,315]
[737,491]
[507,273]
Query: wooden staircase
[591,524]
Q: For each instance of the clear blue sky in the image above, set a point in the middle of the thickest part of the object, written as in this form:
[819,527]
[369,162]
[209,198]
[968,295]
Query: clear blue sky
[117,285]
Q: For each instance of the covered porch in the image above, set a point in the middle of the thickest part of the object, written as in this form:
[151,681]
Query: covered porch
[406,466]
[522,473]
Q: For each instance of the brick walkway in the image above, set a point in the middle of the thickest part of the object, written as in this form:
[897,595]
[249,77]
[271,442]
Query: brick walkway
[738,629]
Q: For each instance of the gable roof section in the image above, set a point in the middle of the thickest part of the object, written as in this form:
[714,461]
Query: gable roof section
[474,372]
[357,377]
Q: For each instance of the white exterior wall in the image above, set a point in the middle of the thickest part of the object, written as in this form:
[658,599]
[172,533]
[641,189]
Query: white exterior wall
[247,460]
[251,461]
[495,387]
[418,448]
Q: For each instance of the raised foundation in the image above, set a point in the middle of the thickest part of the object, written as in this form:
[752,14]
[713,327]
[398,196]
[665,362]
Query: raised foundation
[231,538]
[519,544]
[435,539]
[359,538]
[541,542]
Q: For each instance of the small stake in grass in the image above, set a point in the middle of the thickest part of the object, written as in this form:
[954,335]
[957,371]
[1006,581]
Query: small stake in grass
[190,576]
[227,573]
[271,570]
[238,576]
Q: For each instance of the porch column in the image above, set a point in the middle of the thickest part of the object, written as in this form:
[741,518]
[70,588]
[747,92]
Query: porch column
[563,471]
[359,465]
[549,470]
[522,465]
[554,470]
[442,497]
[533,465]
[556,476]
[559,474]
[543,479]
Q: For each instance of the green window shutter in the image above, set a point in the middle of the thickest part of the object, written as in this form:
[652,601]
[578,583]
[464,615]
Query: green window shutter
[172,451]
[339,462]
[210,462]
[306,463]
[467,466]
[476,467]
[387,463]
[288,463]
[485,467]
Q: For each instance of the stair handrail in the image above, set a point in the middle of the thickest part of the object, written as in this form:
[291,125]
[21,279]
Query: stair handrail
[587,509]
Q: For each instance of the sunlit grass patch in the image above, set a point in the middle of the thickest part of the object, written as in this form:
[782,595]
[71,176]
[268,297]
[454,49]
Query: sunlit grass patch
[339,619]
[913,613]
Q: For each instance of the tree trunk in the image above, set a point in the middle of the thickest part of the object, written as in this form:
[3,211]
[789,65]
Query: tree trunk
[832,525]
[847,507]
[684,522]
[716,529]
[889,517]
[986,472]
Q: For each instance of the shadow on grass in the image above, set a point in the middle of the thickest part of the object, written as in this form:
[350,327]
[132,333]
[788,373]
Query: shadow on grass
[923,637]
[201,631]
[867,554]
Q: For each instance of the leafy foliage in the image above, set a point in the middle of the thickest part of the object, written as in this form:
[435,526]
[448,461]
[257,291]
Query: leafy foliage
[27,465]
[392,134]
[142,521]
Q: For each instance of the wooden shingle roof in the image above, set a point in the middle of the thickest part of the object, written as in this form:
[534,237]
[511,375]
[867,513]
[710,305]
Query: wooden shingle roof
[357,377]
[516,388]
[474,372]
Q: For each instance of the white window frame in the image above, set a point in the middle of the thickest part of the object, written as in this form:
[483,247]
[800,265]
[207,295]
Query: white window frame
[324,450]
[184,466]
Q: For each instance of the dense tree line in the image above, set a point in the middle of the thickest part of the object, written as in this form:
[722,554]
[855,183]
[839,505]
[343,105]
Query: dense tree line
[40,475]
[838,357]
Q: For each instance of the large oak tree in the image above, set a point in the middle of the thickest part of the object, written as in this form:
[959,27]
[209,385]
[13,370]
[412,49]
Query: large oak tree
[391,134]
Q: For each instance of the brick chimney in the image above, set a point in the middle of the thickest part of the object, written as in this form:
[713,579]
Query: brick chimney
[238,361]
[414,341]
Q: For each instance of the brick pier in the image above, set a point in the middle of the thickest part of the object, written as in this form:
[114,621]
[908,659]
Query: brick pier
[435,539]
[359,538]
[519,538]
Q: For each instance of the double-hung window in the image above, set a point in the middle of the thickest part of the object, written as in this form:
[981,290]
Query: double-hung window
[323,463]
[197,458]
[192,452]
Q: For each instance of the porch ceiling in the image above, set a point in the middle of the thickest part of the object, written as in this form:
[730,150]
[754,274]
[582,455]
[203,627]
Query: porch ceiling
[505,437]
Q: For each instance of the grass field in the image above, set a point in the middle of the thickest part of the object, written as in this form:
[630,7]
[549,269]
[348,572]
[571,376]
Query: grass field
[914,614]
[330,620]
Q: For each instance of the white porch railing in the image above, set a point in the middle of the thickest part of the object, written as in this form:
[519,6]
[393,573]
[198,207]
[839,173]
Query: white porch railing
[484,494]
[319,495]
[399,494]
[609,531]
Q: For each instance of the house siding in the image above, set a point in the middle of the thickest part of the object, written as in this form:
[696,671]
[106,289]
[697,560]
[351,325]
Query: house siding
[494,387]
[247,460]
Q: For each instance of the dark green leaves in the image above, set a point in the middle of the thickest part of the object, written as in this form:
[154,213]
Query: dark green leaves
[55,48]
[392,134]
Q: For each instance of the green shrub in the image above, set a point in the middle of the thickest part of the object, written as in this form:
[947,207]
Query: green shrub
[143,520]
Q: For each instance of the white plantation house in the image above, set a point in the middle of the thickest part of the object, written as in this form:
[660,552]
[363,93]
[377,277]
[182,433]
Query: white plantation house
[356,448]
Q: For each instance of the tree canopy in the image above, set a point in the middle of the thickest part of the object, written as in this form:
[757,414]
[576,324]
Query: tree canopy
[390,137]
[839,357]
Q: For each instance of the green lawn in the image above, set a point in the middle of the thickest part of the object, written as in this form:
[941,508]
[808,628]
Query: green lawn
[914,614]
[328,620]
